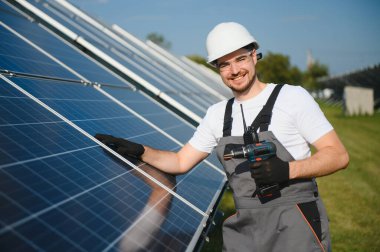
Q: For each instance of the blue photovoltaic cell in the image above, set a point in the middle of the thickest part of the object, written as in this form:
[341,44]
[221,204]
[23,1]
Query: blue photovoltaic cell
[165,120]
[93,112]
[68,56]
[59,189]
[158,116]
[60,51]
[89,70]
[70,194]
[14,50]
[162,76]
[37,186]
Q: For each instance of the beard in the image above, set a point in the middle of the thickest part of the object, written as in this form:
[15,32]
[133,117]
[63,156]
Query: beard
[240,89]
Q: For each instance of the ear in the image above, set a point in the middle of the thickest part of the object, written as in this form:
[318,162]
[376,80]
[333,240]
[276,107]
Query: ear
[254,56]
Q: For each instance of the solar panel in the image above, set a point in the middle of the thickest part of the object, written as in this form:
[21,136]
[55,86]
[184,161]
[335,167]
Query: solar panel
[169,62]
[205,75]
[59,189]
[174,85]
[67,188]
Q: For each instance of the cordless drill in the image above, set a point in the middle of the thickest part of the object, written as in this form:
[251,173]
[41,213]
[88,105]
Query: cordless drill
[256,152]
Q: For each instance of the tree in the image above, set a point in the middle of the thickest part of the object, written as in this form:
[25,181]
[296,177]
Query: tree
[276,68]
[315,71]
[159,39]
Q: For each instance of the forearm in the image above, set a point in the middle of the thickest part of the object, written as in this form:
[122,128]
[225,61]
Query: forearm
[170,162]
[322,163]
[330,157]
[165,161]
[173,162]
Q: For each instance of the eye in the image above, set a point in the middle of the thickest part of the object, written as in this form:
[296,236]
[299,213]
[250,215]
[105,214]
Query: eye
[223,65]
[242,58]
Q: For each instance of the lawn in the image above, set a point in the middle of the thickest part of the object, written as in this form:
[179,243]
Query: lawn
[351,196]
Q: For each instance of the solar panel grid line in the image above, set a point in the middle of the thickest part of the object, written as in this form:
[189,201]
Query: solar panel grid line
[129,37]
[41,50]
[162,76]
[104,146]
[97,25]
[210,76]
[42,157]
[87,33]
[35,215]
[74,37]
[144,70]
[128,85]
[119,30]
[119,103]
[154,69]
[151,124]
[207,72]
[163,128]
[172,63]
[82,42]
[175,63]
[81,79]
[164,54]
[189,99]
[164,108]
[135,223]
[137,78]
[25,239]
[71,35]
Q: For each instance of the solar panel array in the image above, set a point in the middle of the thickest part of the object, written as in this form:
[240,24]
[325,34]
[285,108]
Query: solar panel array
[141,66]
[61,189]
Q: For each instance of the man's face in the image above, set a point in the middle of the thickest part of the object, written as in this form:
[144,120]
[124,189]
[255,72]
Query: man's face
[237,70]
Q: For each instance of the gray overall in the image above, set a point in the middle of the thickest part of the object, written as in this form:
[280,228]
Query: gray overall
[292,220]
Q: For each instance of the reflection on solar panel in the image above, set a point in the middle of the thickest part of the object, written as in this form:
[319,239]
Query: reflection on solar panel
[61,189]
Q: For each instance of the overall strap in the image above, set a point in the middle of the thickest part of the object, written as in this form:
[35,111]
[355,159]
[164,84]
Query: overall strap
[227,125]
[263,119]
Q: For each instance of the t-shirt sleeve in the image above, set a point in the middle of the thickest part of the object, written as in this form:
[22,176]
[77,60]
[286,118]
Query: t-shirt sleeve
[204,139]
[311,121]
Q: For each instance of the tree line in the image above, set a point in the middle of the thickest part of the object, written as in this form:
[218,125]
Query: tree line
[273,67]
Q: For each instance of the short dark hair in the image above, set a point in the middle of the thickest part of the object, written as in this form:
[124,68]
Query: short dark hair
[250,47]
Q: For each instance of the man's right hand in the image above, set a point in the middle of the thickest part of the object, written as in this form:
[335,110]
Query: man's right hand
[122,146]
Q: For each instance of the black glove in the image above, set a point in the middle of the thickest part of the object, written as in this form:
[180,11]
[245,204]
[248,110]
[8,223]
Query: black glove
[122,146]
[270,171]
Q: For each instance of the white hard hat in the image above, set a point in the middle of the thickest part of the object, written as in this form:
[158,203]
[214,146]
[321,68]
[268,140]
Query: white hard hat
[226,38]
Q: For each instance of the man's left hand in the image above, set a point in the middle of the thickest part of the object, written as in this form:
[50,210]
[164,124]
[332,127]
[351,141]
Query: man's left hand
[270,171]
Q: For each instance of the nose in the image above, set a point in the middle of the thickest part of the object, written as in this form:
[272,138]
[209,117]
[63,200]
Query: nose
[234,68]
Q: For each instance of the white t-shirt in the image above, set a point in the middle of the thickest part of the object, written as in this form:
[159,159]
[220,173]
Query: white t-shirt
[296,121]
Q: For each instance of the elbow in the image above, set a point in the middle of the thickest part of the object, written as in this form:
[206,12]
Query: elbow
[345,160]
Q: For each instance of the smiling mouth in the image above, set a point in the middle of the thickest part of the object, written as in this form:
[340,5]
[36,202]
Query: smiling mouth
[238,77]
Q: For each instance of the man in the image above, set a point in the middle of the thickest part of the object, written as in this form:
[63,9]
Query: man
[290,215]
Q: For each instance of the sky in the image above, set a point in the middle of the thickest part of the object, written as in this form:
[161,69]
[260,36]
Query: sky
[342,34]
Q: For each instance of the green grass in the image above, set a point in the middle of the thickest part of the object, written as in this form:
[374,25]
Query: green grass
[351,196]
